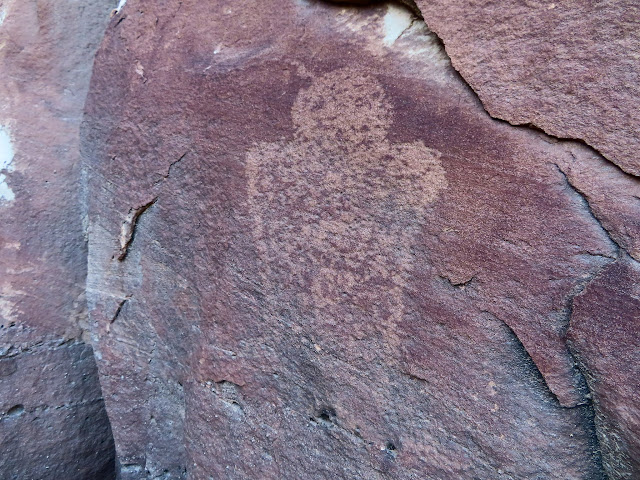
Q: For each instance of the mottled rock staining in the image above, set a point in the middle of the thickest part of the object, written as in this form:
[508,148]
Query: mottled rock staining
[312,251]
[53,424]
[342,204]
[347,268]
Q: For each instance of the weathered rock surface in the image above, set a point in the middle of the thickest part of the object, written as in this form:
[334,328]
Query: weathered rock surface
[570,67]
[53,424]
[312,254]
[605,333]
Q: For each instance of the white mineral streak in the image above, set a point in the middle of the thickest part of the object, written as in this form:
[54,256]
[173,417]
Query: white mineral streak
[6,164]
[396,21]
[120,5]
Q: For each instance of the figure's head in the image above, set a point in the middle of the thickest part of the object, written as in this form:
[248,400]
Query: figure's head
[343,106]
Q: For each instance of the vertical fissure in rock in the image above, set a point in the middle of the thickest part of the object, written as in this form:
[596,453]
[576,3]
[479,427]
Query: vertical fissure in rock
[588,410]
[583,199]
[128,229]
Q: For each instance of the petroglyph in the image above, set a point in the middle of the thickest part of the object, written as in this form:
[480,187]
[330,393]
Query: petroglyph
[339,207]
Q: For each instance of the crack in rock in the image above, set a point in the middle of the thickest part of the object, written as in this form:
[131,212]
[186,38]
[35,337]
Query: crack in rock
[587,205]
[526,356]
[128,229]
[171,165]
[528,125]
[118,311]
[594,435]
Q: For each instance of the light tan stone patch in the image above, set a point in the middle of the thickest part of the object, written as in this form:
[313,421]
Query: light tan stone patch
[338,208]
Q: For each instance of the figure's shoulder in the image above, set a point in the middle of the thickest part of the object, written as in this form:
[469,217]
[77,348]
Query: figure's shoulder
[419,171]
[280,154]
[269,148]
[295,154]
[414,158]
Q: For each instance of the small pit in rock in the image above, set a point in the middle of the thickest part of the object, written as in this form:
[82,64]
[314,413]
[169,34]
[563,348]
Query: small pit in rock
[15,411]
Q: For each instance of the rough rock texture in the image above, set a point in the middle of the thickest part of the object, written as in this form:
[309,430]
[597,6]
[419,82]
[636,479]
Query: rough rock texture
[605,333]
[53,424]
[571,68]
[312,254]
[568,67]
[59,428]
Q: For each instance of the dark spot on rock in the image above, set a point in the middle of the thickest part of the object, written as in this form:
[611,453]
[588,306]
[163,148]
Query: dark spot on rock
[327,414]
[15,411]
[8,366]
[391,449]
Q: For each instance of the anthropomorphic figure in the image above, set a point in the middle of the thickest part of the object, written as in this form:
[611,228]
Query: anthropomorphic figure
[338,209]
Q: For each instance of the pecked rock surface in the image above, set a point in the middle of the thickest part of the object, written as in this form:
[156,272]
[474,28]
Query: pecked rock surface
[568,67]
[312,254]
[53,424]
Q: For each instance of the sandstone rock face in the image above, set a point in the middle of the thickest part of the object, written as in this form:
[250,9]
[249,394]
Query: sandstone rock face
[312,254]
[605,330]
[53,424]
[570,68]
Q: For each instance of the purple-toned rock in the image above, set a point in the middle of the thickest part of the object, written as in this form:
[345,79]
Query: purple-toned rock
[605,333]
[53,424]
[571,68]
[53,420]
[312,254]
[568,67]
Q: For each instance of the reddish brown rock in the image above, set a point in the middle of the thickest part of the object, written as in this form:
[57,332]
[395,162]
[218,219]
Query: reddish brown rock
[569,67]
[313,254]
[52,419]
[605,333]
